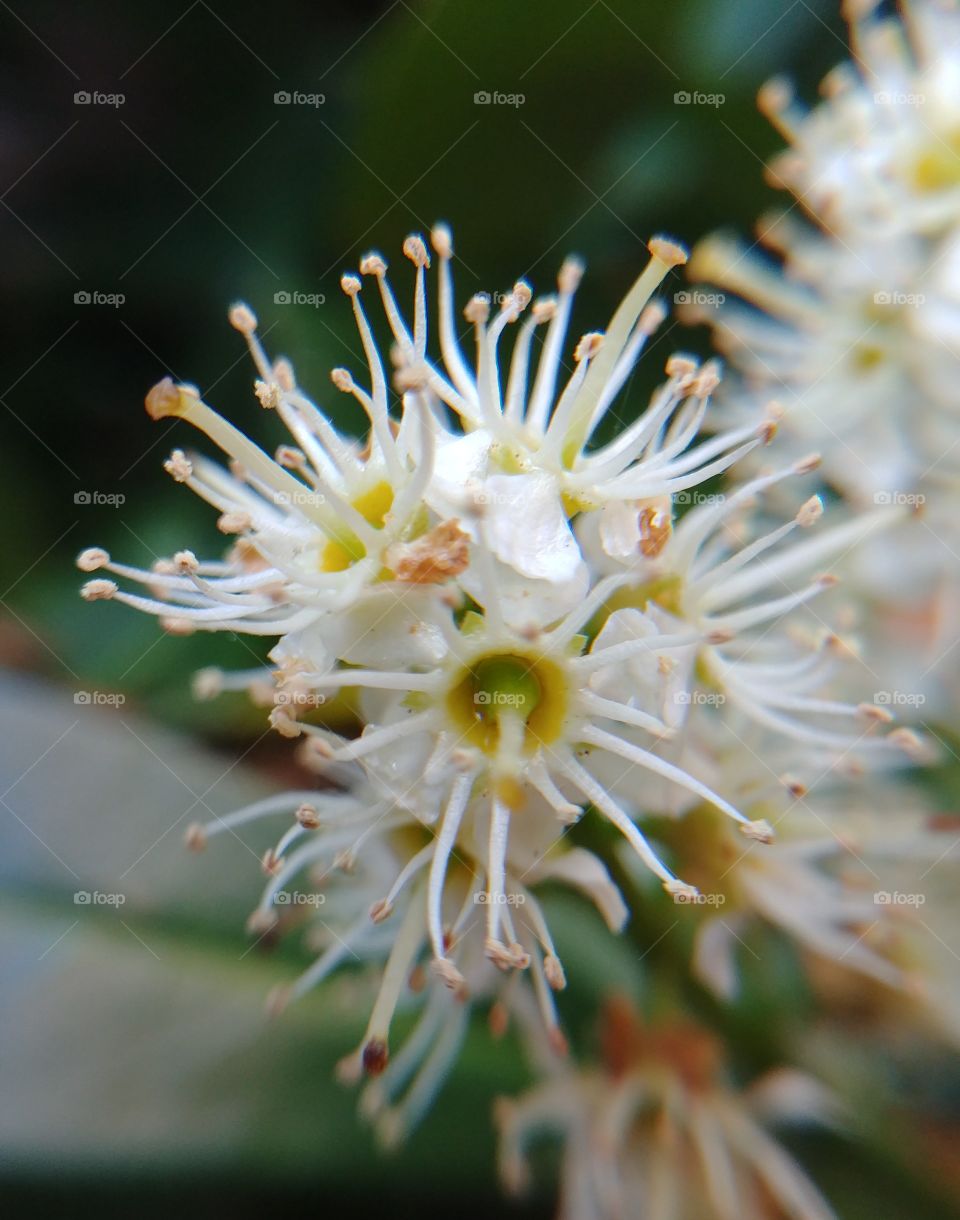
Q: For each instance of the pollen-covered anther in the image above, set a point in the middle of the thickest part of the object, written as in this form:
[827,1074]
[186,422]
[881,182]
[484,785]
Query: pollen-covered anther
[827,580]
[415,249]
[504,957]
[291,458]
[544,309]
[760,830]
[373,264]
[172,624]
[912,745]
[874,714]
[350,285]
[720,635]
[477,309]
[680,366]
[570,275]
[411,378]
[98,590]
[234,522]
[667,251]
[810,512]
[444,969]
[442,240]
[242,318]
[681,891]
[375,1057]
[498,1019]
[164,399]
[207,683]
[588,347]
[281,720]
[178,466]
[553,972]
[284,375]
[438,555]
[518,300]
[655,526]
[92,559]
[381,910]
[277,1000]
[186,563]
[774,96]
[268,394]
[808,464]
[794,786]
[308,817]
[195,837]
[343,380]
[270,862]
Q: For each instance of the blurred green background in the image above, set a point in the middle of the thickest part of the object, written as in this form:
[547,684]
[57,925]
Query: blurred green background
[201,188]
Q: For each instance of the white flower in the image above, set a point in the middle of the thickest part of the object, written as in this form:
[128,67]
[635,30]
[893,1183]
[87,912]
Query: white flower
[879,154]
[657,1130]
[363,868]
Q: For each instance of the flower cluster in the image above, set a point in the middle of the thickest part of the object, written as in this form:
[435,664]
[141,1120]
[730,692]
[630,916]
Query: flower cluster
[577,660]
[853,321]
